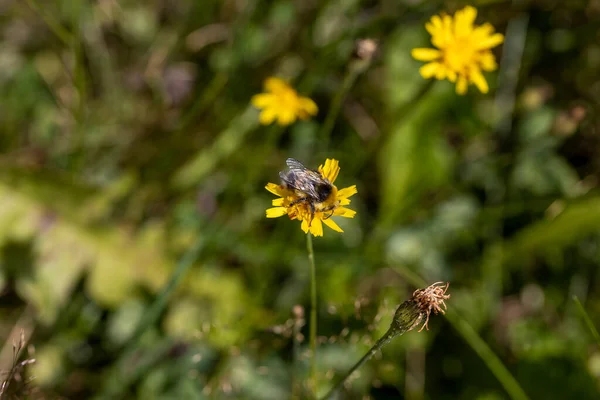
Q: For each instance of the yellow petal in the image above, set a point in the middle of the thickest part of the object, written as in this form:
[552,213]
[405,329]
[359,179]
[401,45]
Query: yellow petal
[434,26]
[451,75]
[277,190]
[429,70]
[344,212]
[490,41]
[275,212]
[316,228]
[447,31]
[488,61]
[424,54]
[308,106]
[463,21]
[482,32]
[330,170]
[286,117]
[479,81]
[305,226]
[461,85]
[278,202]
[331,223]
[441,72]
[267,116]
[347,192]
[262,100]
[276,85]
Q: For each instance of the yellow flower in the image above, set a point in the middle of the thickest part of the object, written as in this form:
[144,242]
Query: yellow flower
[463,50]
[283,103]
[332,206]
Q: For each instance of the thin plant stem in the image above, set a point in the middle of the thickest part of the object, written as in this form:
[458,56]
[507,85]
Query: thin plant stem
[353,72]
[313,314]
[587,320]
[385,339]
[493,362]
[61,32]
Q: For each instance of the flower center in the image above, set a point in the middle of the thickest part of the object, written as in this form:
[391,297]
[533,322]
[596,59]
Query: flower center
[288,99]
[459,55]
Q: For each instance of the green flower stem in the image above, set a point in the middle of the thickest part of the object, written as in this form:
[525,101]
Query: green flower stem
[313,314]
[385,339]
[407,316]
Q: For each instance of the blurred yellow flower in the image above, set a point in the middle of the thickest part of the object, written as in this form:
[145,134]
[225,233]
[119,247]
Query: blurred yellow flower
[288,203]
[463,50]
[282,103]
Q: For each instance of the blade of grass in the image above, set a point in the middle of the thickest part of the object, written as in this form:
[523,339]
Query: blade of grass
[587,320]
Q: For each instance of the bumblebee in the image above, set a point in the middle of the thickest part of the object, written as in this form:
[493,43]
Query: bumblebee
[310,186]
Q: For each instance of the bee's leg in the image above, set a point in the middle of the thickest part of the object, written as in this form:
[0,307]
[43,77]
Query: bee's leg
[330,208]
[329,215]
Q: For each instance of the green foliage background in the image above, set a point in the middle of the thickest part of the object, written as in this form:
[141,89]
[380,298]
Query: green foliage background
[127,140]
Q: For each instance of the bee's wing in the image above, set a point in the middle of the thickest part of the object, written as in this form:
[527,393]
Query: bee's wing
[301,178]
[292,163]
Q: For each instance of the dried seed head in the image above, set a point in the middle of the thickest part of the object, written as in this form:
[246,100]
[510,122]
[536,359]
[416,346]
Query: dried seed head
[366,49]
[420,306]
[431,299]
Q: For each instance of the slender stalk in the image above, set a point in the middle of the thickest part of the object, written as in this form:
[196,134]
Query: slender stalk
[385,339]
[407,316]
[587,320]
[354,70]
[61,32]
[313,314]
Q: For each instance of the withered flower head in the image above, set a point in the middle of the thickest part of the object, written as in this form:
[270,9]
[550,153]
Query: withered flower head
[431,299]
[422,303]
[366,48]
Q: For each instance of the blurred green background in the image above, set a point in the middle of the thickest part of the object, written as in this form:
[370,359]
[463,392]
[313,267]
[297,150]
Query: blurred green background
[128,140]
